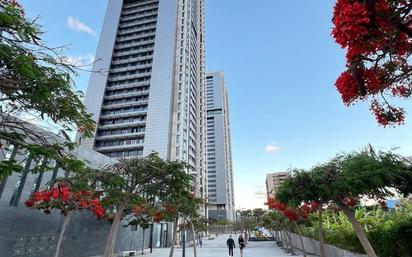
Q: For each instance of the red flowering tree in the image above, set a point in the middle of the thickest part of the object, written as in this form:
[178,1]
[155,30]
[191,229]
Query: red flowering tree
[138,190]
[347,177]
[294,215]
[171,203]
[377,35]
[66,199]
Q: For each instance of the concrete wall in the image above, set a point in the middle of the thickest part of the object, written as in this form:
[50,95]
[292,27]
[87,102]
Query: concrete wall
[312,247]
[26,232]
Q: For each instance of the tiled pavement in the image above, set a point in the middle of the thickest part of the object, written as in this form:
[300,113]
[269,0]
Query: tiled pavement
[217,248]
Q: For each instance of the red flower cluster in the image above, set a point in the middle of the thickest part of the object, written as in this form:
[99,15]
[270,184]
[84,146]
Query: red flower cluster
[348,86]
[350,202]
[140,209]
[157,213]
[365,30]
[290,214]
[275,204]
[388,115]
[351,20]
[306,208]
[374,33]
[13,3]
[158,216]
[402,91]
[169,209]
[64,199]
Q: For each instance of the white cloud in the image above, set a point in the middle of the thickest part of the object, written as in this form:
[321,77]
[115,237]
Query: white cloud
[260,194]
[75,24]
[79,60]
[271,148]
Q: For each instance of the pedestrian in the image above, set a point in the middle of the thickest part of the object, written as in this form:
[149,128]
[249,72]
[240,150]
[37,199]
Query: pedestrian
[200,242]
[241,244]
[231,244]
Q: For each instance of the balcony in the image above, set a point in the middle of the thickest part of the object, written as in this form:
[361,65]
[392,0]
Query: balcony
[126,86]
[126,95]
[124,114]
[131,60]
[137,11]
[132,44]
[139,22]
[119,147]
[124,32]
[121,136]
[121,105]
[131,52]
[130,68]
[122,125]
[128,77]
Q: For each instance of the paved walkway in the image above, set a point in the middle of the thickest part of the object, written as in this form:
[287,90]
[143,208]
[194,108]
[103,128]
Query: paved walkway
[217,248]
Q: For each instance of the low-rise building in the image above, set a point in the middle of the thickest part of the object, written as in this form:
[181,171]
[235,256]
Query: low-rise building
[273,182]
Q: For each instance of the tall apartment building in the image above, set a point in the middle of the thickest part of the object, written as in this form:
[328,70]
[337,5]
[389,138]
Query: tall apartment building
[151,97]
[273,182]
[219,152]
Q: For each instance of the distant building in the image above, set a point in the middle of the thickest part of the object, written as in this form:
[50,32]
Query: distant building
[221,203]
[273,182]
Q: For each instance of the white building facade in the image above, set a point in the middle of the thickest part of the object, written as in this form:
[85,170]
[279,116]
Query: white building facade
[150,97]
[274,181]
[220,187]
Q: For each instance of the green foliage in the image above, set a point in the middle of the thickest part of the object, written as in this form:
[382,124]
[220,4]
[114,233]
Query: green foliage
[150,183]
[35,80]
[389,231]
[200,224]
[359,173]
[340,181]
[251,219]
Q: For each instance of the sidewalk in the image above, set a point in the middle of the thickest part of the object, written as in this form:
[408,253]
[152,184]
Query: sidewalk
[218,248]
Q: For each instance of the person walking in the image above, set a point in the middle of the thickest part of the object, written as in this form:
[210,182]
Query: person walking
[241,244]
[231,244]
[200,241]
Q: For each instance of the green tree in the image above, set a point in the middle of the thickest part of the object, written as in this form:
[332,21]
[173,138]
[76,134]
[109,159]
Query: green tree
[349,176]
[141,188]
[36,80]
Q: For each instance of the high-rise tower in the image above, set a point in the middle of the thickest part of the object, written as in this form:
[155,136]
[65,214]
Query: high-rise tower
[219,150]
[149,96]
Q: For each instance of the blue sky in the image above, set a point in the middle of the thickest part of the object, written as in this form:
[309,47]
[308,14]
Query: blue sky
[280,66]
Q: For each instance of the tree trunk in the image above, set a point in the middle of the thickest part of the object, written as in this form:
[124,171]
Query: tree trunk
[358,230]
[281,239]
[174,237]
[12,157]
[111,240]
[301,239]
[184,242]
[194,240]
[320,232]
[151,237]
[289,237]
[65,221]
[143,241]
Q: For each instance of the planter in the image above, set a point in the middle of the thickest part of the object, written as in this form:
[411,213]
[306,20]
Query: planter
[312,247]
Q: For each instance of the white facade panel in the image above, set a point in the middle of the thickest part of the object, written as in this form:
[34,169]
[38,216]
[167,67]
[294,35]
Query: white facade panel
[98,79]
[161,85]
